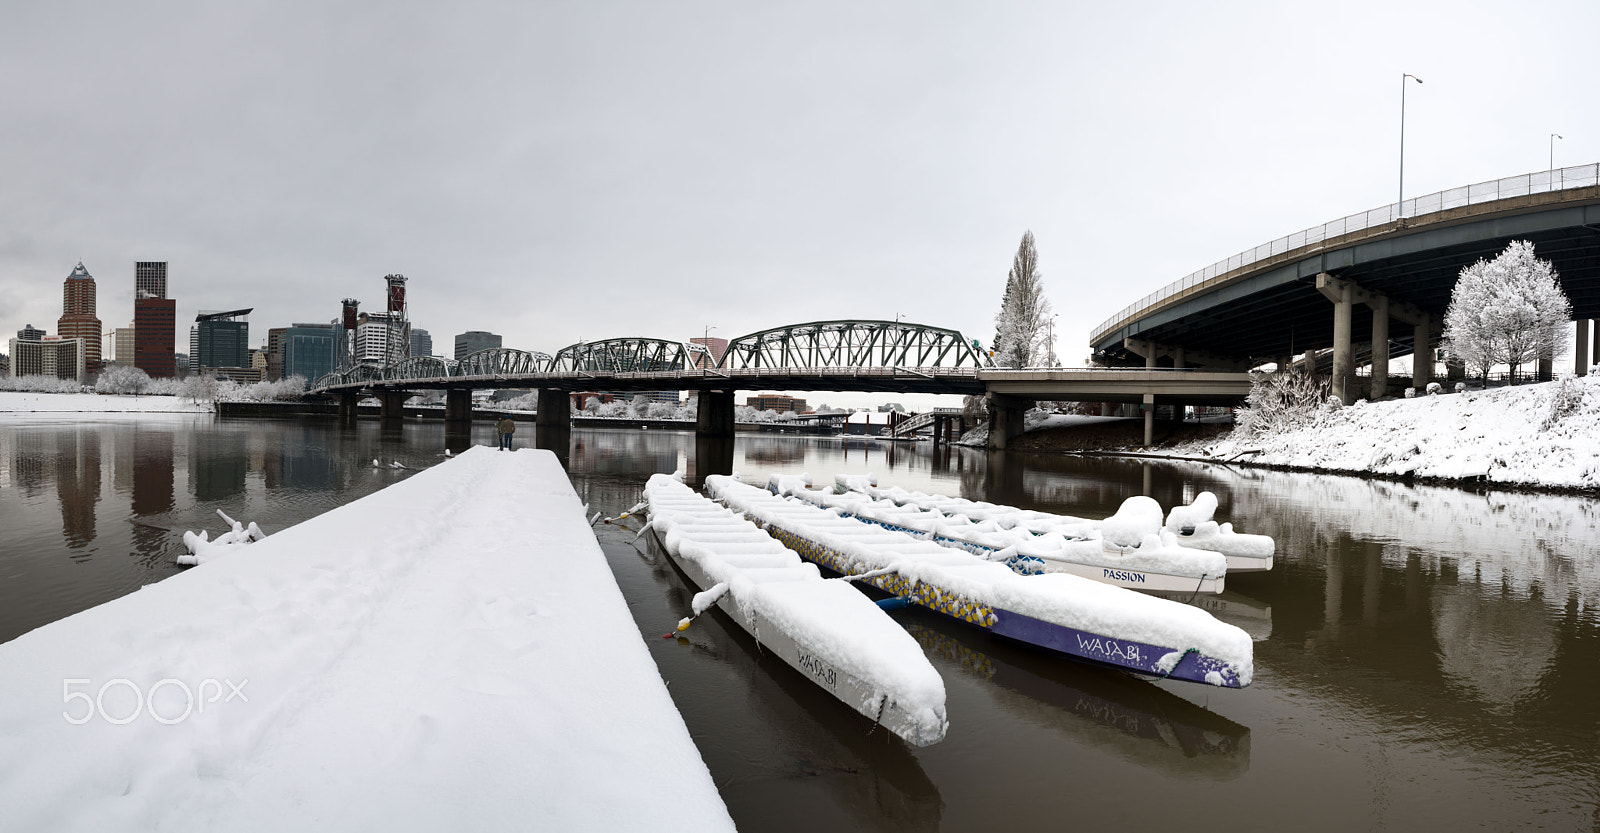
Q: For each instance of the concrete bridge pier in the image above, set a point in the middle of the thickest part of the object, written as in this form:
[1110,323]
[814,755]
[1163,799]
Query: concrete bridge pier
[458,405]
[393,405]
[1580,352]
[1005,419]
[347,408]
[1345,294]
[1149,408]
[554,409]
[715,417]
[1422,358]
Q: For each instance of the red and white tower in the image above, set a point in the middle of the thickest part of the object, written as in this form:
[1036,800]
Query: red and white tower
[78,315]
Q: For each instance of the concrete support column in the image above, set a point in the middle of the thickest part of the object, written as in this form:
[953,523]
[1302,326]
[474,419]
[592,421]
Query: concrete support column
[1594,348]
[1580,355]
[1380,347]
[458,405]
[1149,419]
[347,408]
[1547,367]
[554,407]
[1105,409]
[1177,358]
[715,417]
[1342,311]
[1422,359]
[393,406]
[1005,419]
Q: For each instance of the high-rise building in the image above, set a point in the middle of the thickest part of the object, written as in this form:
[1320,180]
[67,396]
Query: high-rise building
[309,351]
[194,347]
[715,347]
[380,339]
[30,333]
[125,340]
[421,343]
[63,358]
[155,322]
[474,340]
[224,339]
[275,338]
[150,279]
[78,315]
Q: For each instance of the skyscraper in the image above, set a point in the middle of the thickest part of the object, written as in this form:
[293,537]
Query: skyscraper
[421,343]
[155,320]
[224,339]
[150,279]
[78,315]
[472,341]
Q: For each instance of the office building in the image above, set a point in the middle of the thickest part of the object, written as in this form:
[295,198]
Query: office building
[63,358]
[223,339]
[124,340]
[78,315]
[30,333]
[421,343]
[309,351]
[150,279]
[715,347]
[380,339]
[275,338]
[474,340]
[776,402]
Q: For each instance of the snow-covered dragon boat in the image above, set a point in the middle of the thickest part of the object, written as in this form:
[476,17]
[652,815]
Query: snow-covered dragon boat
[1191,525]
[823,628]
[1084,619]
[1129,549]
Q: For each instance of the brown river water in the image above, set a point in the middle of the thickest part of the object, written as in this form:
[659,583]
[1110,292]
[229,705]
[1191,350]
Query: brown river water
[1425,657]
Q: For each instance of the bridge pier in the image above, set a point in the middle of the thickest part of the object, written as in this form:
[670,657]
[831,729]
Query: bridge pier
[1380,347]
[458,405]
[1580,352]
[715,417]
[1422,355]
[393,405]
[1149,408]
[347,408]
[1005,419]
[1345,294]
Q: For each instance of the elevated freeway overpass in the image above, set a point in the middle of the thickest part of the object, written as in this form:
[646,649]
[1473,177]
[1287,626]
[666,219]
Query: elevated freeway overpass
[1398,263]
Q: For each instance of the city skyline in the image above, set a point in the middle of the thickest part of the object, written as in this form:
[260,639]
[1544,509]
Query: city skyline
[653,171]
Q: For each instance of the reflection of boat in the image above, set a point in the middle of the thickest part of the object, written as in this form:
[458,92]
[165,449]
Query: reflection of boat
[1074,616]
[1126,550]
[1191,526]
[1252,615]
[1132,718]
[832,634]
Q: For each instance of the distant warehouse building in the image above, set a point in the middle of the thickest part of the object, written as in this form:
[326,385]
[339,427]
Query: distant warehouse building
[776,402]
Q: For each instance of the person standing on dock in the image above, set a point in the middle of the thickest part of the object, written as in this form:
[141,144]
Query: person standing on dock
[506,428]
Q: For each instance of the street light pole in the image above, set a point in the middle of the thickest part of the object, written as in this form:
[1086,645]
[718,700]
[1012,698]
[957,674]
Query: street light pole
[1553,138]
[1399,208]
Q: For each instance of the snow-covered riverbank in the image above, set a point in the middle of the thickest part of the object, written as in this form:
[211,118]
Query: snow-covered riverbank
[73,403]
[450,653]
[1544,435]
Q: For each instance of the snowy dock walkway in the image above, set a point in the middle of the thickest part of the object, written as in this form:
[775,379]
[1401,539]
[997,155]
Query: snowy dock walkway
[451,653]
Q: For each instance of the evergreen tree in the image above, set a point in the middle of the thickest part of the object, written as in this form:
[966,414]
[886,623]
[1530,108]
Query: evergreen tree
[1020,327]
[1509,310]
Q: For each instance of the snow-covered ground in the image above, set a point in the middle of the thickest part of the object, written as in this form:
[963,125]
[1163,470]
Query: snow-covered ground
[1539,435]
[451,653]
[24,402]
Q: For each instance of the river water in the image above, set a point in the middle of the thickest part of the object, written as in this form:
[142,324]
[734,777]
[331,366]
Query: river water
[1426,657]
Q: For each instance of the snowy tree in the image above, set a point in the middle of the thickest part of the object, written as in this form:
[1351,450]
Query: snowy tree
[1281,401]
[122,379]
[1509,311]
[1020,338]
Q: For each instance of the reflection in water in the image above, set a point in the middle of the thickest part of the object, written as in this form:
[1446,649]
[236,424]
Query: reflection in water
[77,463]
[1136,720]
[217,465]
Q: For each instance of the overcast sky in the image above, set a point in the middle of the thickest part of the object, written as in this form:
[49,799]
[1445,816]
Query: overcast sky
[585,170]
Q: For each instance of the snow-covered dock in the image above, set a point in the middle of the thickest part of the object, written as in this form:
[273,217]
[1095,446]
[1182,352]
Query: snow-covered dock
[451,653]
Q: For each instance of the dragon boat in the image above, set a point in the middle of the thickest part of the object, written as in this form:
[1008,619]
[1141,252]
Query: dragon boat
[1129,549]
[1082,619]
[1191,525]
[823,628]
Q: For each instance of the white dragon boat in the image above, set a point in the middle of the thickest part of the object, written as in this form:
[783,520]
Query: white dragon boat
[825,629]
[1083,619]
[1191,525]
[1129,549]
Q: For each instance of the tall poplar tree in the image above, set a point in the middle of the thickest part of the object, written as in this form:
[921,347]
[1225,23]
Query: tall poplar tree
[1020,327]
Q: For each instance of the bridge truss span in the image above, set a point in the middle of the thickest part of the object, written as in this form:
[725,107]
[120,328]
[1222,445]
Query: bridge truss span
[852,344]
[621,355]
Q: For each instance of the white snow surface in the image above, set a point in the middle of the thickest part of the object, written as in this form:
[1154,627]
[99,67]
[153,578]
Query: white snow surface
[66,403]
[829,619]
[1059,598]
[1539,435]
[450,653]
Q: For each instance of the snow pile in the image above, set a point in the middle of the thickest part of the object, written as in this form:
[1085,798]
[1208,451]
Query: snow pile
[1061,599]
[887,677]
[450,653]
[1531,434]
[202,548]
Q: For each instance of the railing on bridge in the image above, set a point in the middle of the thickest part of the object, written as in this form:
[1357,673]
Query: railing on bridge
[1581,176]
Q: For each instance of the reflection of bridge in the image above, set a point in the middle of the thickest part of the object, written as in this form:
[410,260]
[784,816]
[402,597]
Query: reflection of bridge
[1401,261]
[823,356]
